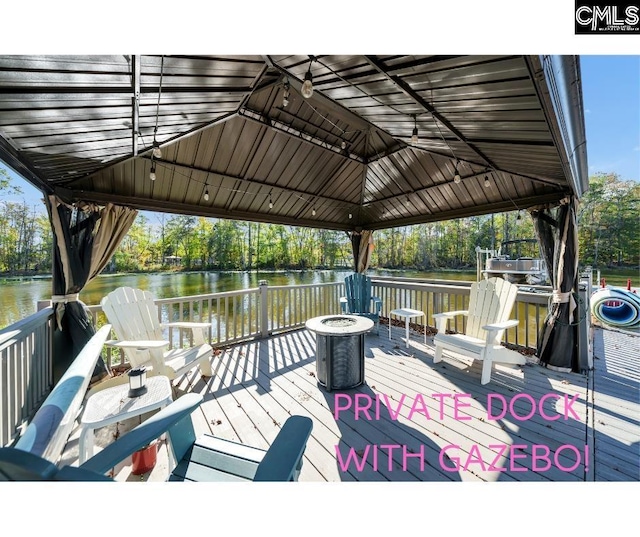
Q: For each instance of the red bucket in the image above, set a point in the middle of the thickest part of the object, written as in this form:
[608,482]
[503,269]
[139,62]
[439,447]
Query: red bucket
[144,460]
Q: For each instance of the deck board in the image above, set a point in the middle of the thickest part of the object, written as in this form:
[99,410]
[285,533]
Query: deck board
[258,384]
[616,405]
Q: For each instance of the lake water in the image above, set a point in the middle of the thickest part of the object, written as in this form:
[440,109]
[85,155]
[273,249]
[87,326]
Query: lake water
[20,298]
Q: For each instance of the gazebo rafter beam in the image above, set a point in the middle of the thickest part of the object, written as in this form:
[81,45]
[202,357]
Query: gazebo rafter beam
[147,204]
[463,180]
[476,210]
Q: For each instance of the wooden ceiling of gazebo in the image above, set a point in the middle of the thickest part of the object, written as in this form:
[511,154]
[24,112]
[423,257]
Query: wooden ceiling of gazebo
[239,140]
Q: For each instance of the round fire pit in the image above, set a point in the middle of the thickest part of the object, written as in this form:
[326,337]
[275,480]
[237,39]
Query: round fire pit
[339,349]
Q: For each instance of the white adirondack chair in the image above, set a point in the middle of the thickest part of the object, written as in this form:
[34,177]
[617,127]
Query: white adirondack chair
[490,305]
[134,317]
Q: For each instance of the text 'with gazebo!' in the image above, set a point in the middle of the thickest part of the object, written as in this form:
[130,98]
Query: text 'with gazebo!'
[491,456]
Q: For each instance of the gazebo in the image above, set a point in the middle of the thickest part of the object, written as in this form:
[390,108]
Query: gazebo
[353,143]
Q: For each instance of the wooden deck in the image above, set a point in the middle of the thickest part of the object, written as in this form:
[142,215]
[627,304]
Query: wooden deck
[615,388]
[257,385]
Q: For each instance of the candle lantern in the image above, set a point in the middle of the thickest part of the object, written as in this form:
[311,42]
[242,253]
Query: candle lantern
[137,381]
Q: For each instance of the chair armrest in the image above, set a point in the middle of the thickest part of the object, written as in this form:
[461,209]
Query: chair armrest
[493,330]
[142,344]
[343,304]
[450,314]
[494,327]
[73,473]
[144,433]
[377,303]
[19,465]
[441,318]
[284,458]
[198,330]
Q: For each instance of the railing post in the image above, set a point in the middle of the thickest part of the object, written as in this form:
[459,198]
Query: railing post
[585,342]
[42,304]
[264,309]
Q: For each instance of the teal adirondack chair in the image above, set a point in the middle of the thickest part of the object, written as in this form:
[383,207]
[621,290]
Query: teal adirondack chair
[205,458]
[358,299]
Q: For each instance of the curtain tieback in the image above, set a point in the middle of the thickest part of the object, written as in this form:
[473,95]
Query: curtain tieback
[560,298]
[56,299]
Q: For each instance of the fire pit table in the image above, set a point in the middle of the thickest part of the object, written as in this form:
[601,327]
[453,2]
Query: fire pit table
[339,349]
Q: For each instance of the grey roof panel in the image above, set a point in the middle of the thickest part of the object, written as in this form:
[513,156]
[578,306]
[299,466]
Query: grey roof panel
[67,124]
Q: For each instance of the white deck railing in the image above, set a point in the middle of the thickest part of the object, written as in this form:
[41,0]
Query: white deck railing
[26,371]
[26,348]
[261,311]
[445,295]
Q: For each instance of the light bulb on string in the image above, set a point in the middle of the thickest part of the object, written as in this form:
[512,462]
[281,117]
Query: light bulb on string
[307,85]
[285,97]
[152,174]
[414,135]
[456,177]
[156,152]
[206,195]
[487,183]
[270,202]
[350,216]
[313,211]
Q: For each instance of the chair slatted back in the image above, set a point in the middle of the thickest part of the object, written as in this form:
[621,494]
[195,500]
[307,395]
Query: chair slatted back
[134,317]
[490,301]
[358,293]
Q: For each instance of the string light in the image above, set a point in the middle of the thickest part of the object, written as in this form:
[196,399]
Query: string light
[343,145]
[285,97]
[206,195]
[157,152]
[307,85]
[456,177]
[305,199]
[414,135]
[487,183]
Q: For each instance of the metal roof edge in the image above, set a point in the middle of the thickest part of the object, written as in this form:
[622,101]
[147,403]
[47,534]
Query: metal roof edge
[559,84]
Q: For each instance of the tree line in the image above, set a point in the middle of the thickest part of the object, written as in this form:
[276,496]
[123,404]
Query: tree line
[607,219]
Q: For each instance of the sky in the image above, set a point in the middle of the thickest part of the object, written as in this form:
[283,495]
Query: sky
[611,98]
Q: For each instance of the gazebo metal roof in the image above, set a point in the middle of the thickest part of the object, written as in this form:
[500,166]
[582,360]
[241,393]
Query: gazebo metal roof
[83,127]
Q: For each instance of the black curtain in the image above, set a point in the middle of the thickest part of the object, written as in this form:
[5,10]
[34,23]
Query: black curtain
[355,248]
[557,233]
[85,237]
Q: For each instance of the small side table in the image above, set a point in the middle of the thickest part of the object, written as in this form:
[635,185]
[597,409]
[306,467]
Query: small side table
[112,405]
[407,313]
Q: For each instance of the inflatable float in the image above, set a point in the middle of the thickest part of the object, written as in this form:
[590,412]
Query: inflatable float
[616,307]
